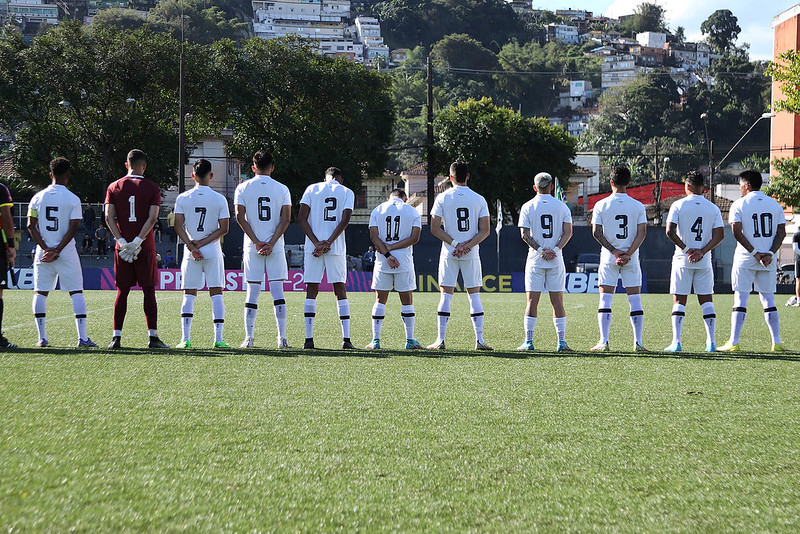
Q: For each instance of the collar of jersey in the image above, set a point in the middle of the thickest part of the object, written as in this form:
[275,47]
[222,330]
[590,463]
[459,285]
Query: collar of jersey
[261,176]
[135,176]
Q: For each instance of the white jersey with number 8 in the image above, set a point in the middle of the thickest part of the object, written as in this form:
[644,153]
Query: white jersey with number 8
[460,208]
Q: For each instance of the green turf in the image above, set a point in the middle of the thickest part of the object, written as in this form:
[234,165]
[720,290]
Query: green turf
[429,441]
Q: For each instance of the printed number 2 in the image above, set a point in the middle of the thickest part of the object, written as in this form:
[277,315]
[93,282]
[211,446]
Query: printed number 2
[623,226]
[132,210]
[51,214]
[330,209]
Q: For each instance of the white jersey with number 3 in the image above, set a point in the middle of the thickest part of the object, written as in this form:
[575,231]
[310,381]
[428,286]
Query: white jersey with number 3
[760,216]
[460,208]
[395,220]
[620,215]
[696,218]
[55,206]
[202,208]
[262,198]
[327,202]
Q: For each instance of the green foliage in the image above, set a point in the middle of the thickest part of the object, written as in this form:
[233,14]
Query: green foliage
[756,163]
[121,19]
[204,24]
[785,187]
[721,29]
[786,69]
[648,17]
[460,51]
[503,150]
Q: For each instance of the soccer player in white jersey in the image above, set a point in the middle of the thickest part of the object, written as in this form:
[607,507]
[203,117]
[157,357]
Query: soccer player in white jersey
[202,217]
[759,227]
[325,211]
[619,224]
[54,214]
[394,227]
[695,226]
[263,210]
[460,218]
[545,225]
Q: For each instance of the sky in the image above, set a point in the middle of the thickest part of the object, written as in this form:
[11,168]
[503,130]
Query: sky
[755,17]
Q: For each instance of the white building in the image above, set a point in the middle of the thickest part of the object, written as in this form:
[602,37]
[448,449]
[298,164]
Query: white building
[652,39]
[618,69]
[368,32]
[562,33]
[36,11]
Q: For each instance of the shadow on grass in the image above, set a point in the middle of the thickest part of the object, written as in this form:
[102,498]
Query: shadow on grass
[712,356]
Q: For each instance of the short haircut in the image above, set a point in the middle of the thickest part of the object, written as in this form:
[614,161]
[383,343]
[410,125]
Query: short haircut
[460,171]
[262,159]
[620,175]
[333,172]
[753,178]
[60,166]
[202,167]
[695,178]
[136,157]
[399,193]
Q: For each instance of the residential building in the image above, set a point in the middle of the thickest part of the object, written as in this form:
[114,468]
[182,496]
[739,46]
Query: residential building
[398,56]
[576,94]
[652,39]
[415,182]
[368,32]
[617,69]
[373,191]
[29,11]
[648,56]
[562,33]
[689,55]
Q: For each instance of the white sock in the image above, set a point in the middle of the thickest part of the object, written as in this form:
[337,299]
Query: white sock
[218,314]
[344,316]
[530,326]
[378,314]
[409,318]
[39,308]
[117,333]
[152,332]
[738,315]
[771,316]
[604,315]
[678,314]
[561,327]
[310,311]
[476,313]
[278,301]
[710,321]
[637,317]
[187,313]
[443,311]
[79,308]
[251,309]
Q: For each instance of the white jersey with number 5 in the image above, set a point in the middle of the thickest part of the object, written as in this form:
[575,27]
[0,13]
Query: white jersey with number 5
[55,206]
[202,208]
[460,209]
[327,201]
[395,220]
[760,216]
[262,198]
[696,219]
[619,214]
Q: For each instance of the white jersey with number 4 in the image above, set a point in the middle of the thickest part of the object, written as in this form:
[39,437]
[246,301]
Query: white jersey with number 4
[460,208]
[620,215]
[202,209]
[696,218]
[327,202]
[760,216]
[544,216]
[262,198]
[395,220]
[55,206]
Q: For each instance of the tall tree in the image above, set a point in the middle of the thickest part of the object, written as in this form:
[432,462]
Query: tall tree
[786,69]
[722,29]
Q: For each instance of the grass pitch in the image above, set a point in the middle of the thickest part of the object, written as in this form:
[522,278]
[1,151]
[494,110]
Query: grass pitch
[392,440]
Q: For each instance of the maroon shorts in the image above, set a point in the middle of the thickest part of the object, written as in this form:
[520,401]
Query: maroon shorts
[143,271]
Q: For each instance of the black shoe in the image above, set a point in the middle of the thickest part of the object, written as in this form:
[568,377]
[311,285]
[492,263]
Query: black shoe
[309,344]
[6,344]
[347,345]
[115,342]
[156,343]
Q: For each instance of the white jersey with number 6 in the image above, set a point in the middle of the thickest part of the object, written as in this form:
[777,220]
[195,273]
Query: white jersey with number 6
[460,208]
[619,214]
[202,208]
[327,201]
[262,198]
[395,221]
[55,206]
[696,219]
[760,216]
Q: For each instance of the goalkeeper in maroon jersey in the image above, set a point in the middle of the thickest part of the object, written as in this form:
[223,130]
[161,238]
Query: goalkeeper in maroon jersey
[132,205]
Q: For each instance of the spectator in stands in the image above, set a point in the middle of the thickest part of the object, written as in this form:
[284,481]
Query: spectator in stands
[101,235]
[171,224]
[158,228]
[368,261]
[89,219]
[169,260]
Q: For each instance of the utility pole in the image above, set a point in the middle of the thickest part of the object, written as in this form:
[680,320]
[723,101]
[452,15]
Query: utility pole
[657,188]
[181,133]
[711,171]
[429,124]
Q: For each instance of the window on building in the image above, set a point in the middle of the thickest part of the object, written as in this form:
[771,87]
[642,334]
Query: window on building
[361,198]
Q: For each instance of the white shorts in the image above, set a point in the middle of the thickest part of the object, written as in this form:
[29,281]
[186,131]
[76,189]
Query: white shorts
[609,273]
[386,281]
[470,270]
[682,279]
[195,274]
[550,278]
[335,266]
[255,264]
[65,269]
[745,280]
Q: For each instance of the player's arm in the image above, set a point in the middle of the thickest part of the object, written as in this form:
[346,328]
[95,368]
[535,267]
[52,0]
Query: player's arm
[566,234]
[72,229]
[111,221]
[241,218]
[404,243]
[180,230]
[33,229]
[216,235]
[738,234]
[717,235]
[765,258]
[382,248]
[346,214]
[286,217]
[152,217]
[438,231]
[641,233]
[672,234]
[302,221]
[525,233]
[600,237]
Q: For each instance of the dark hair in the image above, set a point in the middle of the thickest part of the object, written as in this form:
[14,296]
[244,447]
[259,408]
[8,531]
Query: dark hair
[201,168]
[333,171]
[136,156]
[400,193]
[694,178]
[460,171]
[753,178]
[262,159]
[620,175]
[59,167]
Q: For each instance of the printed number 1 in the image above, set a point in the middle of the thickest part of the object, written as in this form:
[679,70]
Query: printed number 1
[132,211]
